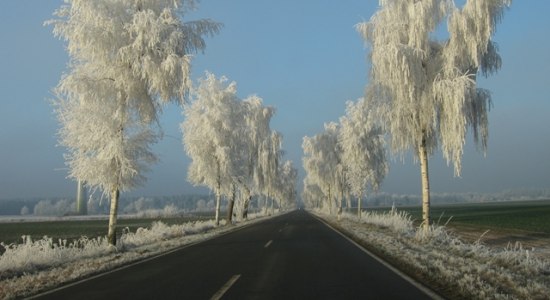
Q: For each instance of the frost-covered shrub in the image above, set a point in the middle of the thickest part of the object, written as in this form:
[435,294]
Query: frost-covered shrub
[397,221]
[57,208]
[202,205]
[140,205]
[160,231]
[434,234]
[169,210]
[25,210]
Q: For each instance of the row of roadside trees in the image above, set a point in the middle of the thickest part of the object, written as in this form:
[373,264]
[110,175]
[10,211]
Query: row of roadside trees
[422,95]
[345,160]
[233,149]
[128,59]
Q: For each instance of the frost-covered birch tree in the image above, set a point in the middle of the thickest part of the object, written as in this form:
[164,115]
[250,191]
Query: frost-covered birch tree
[286,188]
[312,194]
[257,118]
[363,153]
[270,154]
[315,181]
[323,165]
[209,131]
[426,87]
[127,59]
[257,150]
[232,148]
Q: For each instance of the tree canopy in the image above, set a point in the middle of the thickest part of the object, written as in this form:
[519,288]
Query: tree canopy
[425,88]
[231,145]
[127,58]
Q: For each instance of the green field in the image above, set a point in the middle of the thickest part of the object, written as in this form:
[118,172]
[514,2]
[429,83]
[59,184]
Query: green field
[531,216]
[12,232]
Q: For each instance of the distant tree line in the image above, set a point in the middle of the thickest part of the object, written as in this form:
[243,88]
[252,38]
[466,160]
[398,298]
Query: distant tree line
[206,203]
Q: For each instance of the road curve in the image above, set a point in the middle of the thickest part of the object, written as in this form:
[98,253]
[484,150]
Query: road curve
[293,256]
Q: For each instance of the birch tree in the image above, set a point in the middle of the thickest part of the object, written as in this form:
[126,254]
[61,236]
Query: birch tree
[81,202]
[425,87]
[208,133]
[363,153]
[315,181]
[233,150]
[127,59]
[312,194]
[323,165]
[286,191]
[270,154]
[257,118]
[257,151]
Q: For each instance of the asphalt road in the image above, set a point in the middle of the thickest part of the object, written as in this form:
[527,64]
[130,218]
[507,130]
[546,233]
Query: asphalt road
[293,256]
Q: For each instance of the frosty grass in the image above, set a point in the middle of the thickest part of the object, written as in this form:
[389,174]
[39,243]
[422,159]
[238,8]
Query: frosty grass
[34,266]
[464,270]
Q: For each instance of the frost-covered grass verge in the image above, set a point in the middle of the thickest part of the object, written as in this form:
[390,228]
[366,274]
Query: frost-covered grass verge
[456,269]
[34,266]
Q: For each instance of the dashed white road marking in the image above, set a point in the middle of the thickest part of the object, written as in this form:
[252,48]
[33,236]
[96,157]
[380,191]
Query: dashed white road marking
[219,294]
[268,243]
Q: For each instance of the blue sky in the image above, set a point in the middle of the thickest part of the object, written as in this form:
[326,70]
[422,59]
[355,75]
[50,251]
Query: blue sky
[303,57]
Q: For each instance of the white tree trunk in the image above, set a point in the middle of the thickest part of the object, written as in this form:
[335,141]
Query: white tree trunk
[329,201]
[218,196]
[247,199]
[111,235]
[266,207]
[348,201]
[230,205]
[340,202]
[423,154]
[81,202]
[272,206]
[359,200]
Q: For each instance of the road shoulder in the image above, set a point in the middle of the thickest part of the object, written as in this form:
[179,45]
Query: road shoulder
[439,259]
[410,274]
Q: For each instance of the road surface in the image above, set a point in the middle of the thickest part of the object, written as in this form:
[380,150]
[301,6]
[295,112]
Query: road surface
[293,256]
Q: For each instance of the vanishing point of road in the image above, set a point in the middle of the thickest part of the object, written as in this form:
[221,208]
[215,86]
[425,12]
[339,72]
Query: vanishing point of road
[292,256]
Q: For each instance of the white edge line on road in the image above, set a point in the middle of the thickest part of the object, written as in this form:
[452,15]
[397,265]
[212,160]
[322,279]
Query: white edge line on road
[268,243]
[409,279]
[219,294]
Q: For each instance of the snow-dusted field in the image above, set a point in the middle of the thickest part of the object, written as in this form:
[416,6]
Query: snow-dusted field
[32,266]
[461,269]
